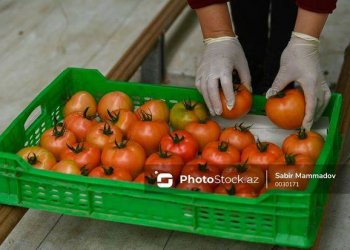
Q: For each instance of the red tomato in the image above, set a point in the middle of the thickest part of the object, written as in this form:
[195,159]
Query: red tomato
[185,112]
[304,142]
[79,123]
[286,168]
[79,102]
[286,109]
[261,154]
[221,154]
[181,143]
[38,157]
[56,138]
[148,133]
[122,118]
[164,162]
[243,103]
[113,101]
[239,189]
[200,168]
[204,132]
[198,187]
[247,174]
[125,154]
[158,109]
[103,133]
[238,136]
[85,155]
[146,178]
[67,167]
[117,174]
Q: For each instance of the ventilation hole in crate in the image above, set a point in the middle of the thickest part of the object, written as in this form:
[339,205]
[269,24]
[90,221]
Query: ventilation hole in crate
[43,125]
[135,97]
[173,101]
[219,214]
[266,225]
[136,104]
[147,98]
[26,144]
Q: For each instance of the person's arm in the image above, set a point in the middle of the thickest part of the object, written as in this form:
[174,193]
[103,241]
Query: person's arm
[300,62]
[222,54]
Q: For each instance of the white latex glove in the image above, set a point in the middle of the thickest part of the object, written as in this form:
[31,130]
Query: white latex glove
[300,62]
[220,57]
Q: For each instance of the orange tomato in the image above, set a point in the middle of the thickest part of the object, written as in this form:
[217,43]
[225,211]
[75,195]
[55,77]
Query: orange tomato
[304,142]
[122,118]
[124,154]
[103,133]
[221,154]
[243,103]
[56,138]
[113,101]
[261,154]
[67,167]
[238,136]
[85,155]
[239,189]
[157,108]
[117,174]
[148,133]
[79,102]
[201,168]
[286,168]
[79,123]
[197,187]
[164,162]
[38,157]
[204,132]
[286,109]
[247,174]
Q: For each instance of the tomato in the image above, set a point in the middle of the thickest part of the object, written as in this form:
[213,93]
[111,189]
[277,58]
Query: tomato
[67,167]
[158,109]
[103,133]
[286,109]
[287,167]
[122,118]
[38,157]
[181,143]
[146,178]
[79,123]
[204,132]
[85,155]
[79,102]
[185,112]
[164,162]
[247,174]
[261,154]
[200,168]
[125,154]
[113,101]
[117,174]
[148,133]
[304,142]
[238,136]
[243,102]
[273,185]
[56,138]
[239,189]
[221,154]
[198,187]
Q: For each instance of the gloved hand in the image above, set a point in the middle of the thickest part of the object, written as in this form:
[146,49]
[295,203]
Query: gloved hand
[300,62]
[220,57]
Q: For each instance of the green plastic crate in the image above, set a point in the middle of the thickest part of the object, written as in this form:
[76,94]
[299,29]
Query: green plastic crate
[278,217]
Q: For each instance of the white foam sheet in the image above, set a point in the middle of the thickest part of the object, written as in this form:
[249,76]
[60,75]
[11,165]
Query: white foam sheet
[267,131]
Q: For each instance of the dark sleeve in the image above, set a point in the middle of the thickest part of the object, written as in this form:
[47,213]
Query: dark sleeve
[196,4]
[319,6]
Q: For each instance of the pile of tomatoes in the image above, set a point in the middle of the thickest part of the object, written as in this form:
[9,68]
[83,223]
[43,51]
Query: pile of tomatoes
[110,140]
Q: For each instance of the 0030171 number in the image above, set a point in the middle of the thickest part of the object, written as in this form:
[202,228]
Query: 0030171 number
[287,184]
